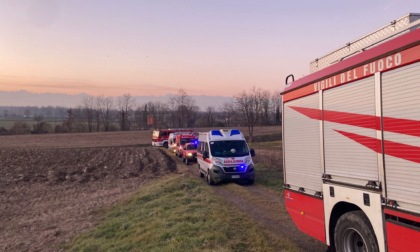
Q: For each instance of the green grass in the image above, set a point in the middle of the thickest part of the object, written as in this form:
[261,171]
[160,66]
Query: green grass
[8,124]
[268,169]
[174,214]
[269,177]
[274,145]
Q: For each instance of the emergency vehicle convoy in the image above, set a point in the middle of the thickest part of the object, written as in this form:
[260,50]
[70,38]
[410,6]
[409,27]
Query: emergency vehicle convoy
[351,141]
[160,137]
[223,155]
[172,140]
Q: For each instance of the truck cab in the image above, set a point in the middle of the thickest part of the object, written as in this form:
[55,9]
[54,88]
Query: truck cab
[181,140]
[189,153]
[223,156]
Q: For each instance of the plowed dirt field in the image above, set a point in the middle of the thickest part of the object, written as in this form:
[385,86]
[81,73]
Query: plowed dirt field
[52,186]
[49,195]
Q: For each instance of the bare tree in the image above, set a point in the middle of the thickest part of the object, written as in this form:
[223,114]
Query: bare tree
[88,105]
[105,110]
[210,116]
[250,105]
[125,104]
[265,107]
[161,113]
[38,126]
[140,116]
[69,120]
[184,109]
[276,103]
[228,113]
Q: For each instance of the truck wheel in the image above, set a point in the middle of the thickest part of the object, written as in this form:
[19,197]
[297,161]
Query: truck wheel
[209,178]
[354,232]
[165,144]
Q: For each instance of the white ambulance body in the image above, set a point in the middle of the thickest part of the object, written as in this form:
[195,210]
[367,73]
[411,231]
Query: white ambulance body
[351,141]
[223,155]
[171,141]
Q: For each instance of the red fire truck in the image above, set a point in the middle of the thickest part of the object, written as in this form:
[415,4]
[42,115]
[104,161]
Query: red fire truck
[351,139]
[160,137]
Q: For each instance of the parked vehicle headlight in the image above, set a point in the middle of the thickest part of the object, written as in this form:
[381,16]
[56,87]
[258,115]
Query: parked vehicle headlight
[248,160]
[218,161]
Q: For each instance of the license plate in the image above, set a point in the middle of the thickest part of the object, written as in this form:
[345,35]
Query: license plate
[236,176]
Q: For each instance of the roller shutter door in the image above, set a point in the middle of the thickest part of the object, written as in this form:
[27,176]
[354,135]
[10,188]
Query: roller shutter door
[349,131]
[401,111]
[302,146]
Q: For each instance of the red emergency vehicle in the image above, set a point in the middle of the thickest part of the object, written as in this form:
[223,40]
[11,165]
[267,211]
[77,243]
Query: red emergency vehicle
[189,153]
[351,141]
[160,136]
[183,139]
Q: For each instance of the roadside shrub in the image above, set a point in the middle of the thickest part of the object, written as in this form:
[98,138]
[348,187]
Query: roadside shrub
[3,131]
[20,128]
[42,128]
[61,129]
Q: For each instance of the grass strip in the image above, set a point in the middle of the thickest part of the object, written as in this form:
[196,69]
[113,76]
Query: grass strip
[269,177]
[174,214]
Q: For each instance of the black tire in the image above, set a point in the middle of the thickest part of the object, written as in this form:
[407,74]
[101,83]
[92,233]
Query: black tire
[165,144]
[186,161]
[209,178]
[251,182]
[354,232]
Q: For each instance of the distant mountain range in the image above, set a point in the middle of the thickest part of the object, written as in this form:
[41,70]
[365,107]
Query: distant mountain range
[25,98]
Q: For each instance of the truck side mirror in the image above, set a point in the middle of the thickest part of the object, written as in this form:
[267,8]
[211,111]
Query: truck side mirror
[205,154]
[252,152]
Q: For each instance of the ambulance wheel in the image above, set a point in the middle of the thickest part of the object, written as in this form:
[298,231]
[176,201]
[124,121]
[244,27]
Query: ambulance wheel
[354,232]
[209,178]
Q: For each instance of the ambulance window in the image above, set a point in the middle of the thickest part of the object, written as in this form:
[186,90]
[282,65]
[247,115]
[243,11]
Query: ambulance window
[200,148]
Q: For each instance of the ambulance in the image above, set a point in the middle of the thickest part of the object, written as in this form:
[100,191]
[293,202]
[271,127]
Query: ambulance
[223,156]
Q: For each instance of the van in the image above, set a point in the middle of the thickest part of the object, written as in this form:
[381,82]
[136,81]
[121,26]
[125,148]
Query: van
[223,156]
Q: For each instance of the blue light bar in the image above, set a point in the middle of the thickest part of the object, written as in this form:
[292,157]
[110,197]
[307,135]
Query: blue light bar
[216,133]
[235,132]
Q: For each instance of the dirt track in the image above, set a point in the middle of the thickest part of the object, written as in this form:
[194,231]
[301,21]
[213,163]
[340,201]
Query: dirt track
[266,207]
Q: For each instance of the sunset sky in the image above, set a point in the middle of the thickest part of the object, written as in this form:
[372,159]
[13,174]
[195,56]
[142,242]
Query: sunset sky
[156,47]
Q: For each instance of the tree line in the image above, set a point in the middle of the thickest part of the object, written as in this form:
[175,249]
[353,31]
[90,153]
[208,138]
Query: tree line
[250,108]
